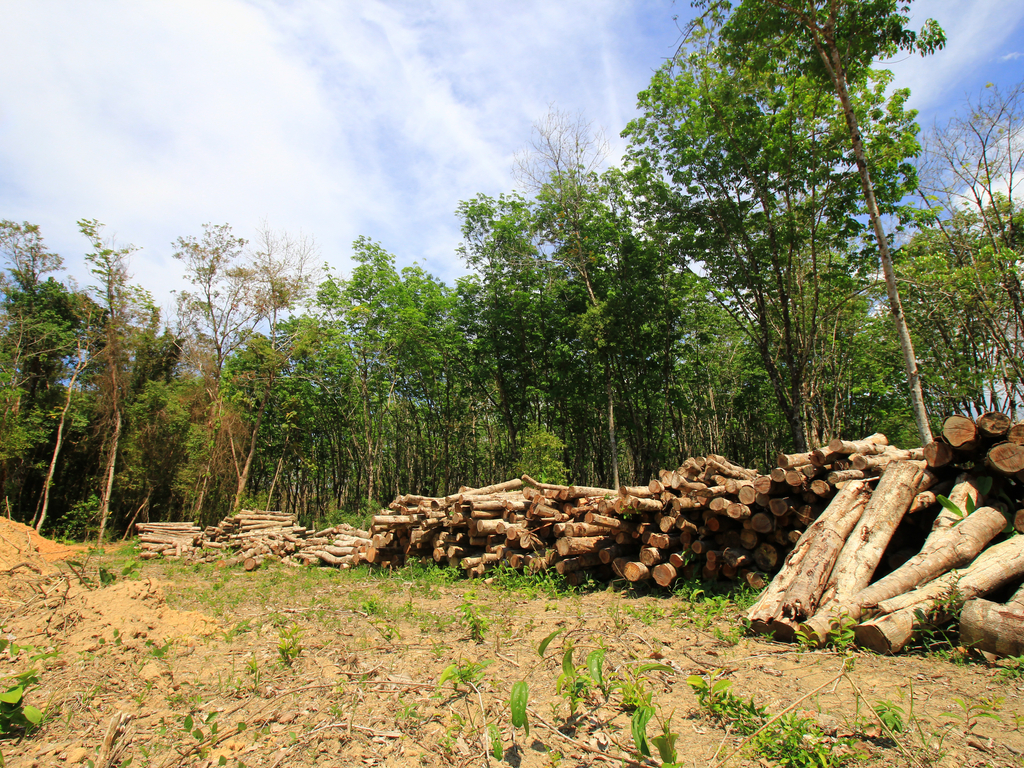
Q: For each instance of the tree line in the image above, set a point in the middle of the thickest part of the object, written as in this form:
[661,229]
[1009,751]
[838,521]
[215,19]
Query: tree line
[723,289]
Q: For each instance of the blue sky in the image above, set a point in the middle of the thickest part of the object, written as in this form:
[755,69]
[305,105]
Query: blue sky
[337,119]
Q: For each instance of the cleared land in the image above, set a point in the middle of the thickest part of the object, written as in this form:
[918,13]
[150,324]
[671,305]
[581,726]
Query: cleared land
[206,665]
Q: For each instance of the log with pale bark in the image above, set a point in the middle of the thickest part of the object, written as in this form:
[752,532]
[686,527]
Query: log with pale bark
[941,598]
[864,548]
[992,627]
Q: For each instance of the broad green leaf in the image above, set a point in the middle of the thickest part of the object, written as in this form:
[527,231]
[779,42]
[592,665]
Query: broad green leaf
[638,725]
[949,505]
[595,665]
[32,714]
[12,696]
[567,668]
[517,703]
[547,641]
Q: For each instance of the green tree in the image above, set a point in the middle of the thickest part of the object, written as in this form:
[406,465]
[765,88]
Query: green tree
[747,171]
[837,40]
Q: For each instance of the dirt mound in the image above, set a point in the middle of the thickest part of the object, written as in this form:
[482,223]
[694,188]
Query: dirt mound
[19,542]
[129,613]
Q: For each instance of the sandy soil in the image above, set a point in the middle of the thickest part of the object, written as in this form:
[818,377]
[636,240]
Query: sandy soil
[300,667]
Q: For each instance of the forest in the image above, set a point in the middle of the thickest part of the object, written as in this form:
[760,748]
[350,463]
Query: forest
[721,289]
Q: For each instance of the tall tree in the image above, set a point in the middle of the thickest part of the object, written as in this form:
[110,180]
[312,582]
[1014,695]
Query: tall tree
[561,168]
[838,40]
[749,171]
[125,308]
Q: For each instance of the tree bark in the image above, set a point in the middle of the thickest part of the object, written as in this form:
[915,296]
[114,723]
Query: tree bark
[942,597]
[865,546]
[823,540]
[992,627]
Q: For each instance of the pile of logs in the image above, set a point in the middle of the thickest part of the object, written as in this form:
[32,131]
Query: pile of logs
[249,537]
[850,569]
[861,535]
[707,518]
[167,539]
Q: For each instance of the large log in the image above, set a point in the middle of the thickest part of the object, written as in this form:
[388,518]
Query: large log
[992,627]
[993,424]
[946,548]
[1007,458]
[961,432]
[865,546]
[941,598]
[823,540]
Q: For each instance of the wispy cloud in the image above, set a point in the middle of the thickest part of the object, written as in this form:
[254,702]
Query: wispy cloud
[1012,56]
[335,119]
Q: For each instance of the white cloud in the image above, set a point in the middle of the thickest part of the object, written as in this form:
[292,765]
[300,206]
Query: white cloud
[333,118]
[1012,56]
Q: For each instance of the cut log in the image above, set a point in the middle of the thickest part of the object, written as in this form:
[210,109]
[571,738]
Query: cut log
[871,444]
[993,424]
[1015,434]
[823,541]
[961,432]
[865,546]
[992,627]
[946,548]
[1007,458]
[939,453]
[997,565]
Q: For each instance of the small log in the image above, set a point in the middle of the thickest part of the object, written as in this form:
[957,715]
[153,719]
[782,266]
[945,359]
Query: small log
[939,453]
[634,571]
[664,574]
[992,627]
[1007,458]
[871,444]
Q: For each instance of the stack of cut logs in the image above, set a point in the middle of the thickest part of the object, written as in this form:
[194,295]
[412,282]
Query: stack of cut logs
[850,570]
[167,539]
[249,537]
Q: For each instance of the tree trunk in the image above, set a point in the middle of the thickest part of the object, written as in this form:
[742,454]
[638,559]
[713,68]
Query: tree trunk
[57,446]
[994,567]
[109,473]
[828,50]
[865,546]
[243,477]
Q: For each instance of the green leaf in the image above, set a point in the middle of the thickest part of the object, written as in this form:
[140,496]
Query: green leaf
[517,703]
[638,725]
[949,505]
[969,506]
[654,667]
[12,696]
[32,714]
[666,746]
[567,668]
[984,485]
[187,722]
[547,641]
[595,665]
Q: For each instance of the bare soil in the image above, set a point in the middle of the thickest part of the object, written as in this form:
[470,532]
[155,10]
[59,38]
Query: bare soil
[303,667]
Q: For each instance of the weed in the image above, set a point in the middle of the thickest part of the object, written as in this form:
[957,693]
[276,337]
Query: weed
[971,712]
[891,715]
[252,666]
[517,704]
[15,714]
[646,614]
[476,623]
[288,646]
[789,741]
[497,749]
[465,673]
[573,684]
[1013,668]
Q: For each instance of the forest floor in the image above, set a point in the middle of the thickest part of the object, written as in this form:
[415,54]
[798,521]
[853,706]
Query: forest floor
[207,666]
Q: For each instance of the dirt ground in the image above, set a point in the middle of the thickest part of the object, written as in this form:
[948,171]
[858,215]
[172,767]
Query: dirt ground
[165,664]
